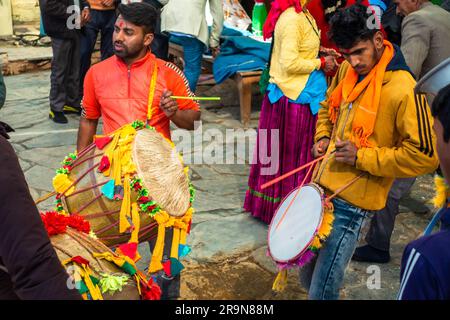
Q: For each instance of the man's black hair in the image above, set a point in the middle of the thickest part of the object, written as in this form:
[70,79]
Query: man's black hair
[140,14]
[351,25]
[440,109]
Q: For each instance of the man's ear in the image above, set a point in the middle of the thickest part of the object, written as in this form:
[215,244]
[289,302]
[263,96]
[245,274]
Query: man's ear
[148,39]
[378,40]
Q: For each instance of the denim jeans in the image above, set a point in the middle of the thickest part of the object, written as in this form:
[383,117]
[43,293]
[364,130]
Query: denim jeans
[325,274]
[193,52]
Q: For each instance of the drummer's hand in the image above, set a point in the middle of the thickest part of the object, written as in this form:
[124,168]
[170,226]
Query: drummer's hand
[320,147]
[168,105]
[346,152]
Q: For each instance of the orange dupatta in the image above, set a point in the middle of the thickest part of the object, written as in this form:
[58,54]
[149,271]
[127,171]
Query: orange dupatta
[348,90]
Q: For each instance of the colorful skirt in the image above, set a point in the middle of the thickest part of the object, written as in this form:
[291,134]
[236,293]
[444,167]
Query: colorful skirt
[296,125]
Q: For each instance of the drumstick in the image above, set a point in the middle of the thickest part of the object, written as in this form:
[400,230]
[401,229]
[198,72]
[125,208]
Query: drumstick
[196,98]
[290,173]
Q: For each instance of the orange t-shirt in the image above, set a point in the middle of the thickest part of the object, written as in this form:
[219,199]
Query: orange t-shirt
[120,94]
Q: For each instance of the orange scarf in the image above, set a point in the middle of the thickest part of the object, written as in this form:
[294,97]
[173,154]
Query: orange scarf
[348,90]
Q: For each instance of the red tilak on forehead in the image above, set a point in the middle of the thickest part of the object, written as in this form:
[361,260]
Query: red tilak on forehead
[121,24]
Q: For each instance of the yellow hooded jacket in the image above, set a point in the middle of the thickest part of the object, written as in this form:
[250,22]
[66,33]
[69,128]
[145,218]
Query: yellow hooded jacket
[403,136]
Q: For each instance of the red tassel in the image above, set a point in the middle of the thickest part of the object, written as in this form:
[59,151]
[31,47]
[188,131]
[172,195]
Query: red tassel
[188,231]
[166,267]
[80,260]
[150,290]
[104,164]
[128,249]
[102,142]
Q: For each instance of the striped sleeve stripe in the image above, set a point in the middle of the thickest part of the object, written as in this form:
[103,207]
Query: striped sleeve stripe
[181,74]
[423,122]
[428,126]
[83,111]
[412,260]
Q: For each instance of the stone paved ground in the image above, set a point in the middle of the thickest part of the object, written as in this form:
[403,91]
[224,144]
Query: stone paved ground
[229,259]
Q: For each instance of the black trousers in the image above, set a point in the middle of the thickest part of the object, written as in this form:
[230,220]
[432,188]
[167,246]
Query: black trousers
[65,73]
[383,221]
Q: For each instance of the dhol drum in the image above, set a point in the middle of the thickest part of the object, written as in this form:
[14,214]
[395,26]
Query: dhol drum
[121,181]
[300,225]
[96,272]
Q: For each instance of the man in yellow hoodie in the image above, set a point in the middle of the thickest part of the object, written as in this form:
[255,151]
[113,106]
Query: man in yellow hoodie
[372,129]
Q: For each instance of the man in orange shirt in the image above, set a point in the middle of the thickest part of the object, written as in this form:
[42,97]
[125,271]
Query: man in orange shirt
[135,85]
[121,88]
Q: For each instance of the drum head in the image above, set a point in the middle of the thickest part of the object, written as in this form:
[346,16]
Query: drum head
[298,228]
[162,172]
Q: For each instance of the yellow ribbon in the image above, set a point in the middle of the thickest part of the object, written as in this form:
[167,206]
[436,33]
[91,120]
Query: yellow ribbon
[136,221]
[151,92]
[125,208]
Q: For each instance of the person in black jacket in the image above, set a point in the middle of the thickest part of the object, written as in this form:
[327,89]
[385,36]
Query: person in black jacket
[62,22]
[29,266]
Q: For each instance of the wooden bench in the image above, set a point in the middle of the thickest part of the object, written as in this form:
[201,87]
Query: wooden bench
[244,81]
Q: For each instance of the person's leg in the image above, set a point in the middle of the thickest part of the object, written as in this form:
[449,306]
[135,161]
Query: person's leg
[72,78]
[333,258]
[108,18]
[61,53]
[88,38]
[378,237]
[170,286]
[193,53]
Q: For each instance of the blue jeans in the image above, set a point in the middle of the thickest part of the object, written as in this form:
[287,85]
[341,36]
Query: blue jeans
[325,275]
[193,52]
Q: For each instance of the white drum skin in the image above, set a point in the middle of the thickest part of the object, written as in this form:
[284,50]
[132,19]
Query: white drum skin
[290,239]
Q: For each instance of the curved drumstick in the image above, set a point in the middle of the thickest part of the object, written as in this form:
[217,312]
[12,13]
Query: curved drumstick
[290,173]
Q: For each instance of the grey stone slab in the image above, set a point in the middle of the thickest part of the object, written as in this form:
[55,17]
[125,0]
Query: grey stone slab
[47,157]
[201,217]
[30,86]
[52,140]
[25,165]
[261,257]
[225,185]
[205,201]
[29,53]
[214,239]
[204,171]
[40,178]
[232,169]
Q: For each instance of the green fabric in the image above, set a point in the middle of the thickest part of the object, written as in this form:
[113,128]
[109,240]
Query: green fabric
[2,90]
[175,267]
[128,268]
[262,195]
[264,80]
[436,2]
[259,16]
[82,288]
[94,280]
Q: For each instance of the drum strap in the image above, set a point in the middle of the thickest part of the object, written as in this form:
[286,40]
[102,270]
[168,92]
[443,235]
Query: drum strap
[151,92]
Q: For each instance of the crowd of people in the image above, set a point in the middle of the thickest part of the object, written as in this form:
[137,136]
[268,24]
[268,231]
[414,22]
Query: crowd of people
[341,87]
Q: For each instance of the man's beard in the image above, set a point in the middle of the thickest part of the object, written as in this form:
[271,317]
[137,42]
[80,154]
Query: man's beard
[126,52]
